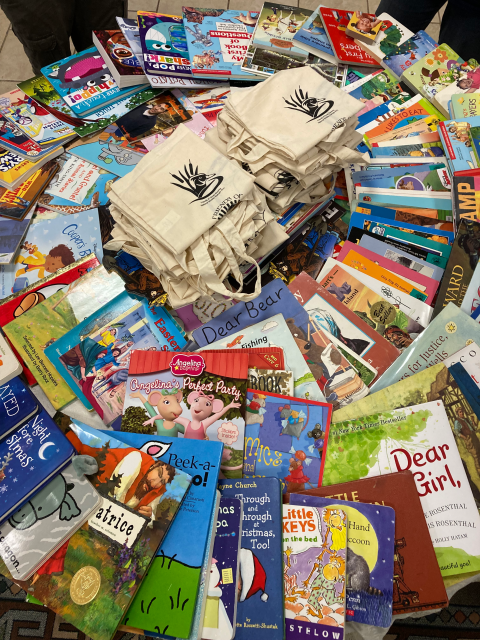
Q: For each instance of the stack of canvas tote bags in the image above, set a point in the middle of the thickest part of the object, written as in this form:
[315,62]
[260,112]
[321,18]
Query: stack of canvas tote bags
[192,216]
[292,132]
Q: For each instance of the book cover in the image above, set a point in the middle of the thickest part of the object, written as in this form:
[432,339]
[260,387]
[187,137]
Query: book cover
[417,438]
[467,385]
[369,530]
[425,149]
[129,28]
[375,89]
[314,571]
[346,50]
[260,597]
[29,457]
[422,178]
[84,82]
[179,559]
[435,71]
[34,532]
[313,37]
[32,118]
[202,310]
[11,234]
[434,383]
[467,83]
[271,380]
[13,139]
[465,106]
[14,170]
[47,321]
[412,307]
[17,403]
[51,245]
[198,125]
[200,396]
[407,53]
[445,335]
[364,27]
[414,215]
[221,608]
[119,57]
[91,580]
[288,439]
[277,24]
[78,186]
[41,90]
[464,192]
[389,36]
[422,109]
[417,581]
[455,139]
[163,43]
[267,62]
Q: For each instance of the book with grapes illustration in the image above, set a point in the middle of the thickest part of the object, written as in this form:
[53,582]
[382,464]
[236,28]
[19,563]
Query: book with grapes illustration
[314,561]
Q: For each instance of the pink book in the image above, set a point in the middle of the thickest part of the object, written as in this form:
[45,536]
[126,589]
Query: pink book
[423,283]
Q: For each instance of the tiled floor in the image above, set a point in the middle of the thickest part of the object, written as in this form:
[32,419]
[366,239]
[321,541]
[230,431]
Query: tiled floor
[14,64]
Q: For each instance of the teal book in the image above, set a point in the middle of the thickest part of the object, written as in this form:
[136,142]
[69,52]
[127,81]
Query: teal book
[180,558]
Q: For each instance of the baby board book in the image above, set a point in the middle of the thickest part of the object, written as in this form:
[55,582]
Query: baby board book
[218,41]
[277,25]
[314,561]
[51,317]
[370,537]
[17,405]
[92,578]
[389,36]
[164,45]
[407,53]
[29,457]
[312,37]
[198,395]
[435,71]
[417,438]
[345,49]
[185,552]
[84,82]
[260,598]
[286,438]
[34,532]
[417,581]
[221,609]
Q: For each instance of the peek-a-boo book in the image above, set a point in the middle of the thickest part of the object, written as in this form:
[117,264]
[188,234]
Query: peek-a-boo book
[91,579]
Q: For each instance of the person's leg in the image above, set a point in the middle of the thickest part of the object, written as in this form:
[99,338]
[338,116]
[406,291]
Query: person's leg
[95,14]
[43,27]
[460,28]
[413,14]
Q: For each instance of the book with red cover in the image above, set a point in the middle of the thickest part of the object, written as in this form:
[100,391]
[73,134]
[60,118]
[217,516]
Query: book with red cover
[21,301]
[329,314]
[262,357]
[344,47]
[417,581]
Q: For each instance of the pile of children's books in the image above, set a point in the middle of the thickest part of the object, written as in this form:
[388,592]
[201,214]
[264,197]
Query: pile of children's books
[196,248]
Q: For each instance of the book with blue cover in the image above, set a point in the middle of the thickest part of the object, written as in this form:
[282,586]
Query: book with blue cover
[221,583]
[163,44]
[422,178]
[286,438]
[370,546]
[466,385]
[312,37]
[218,41]
[409,52]
[260,599]
[84,82]
[179,560]
[29,457]
[377,224]
[455,137]
[17,404]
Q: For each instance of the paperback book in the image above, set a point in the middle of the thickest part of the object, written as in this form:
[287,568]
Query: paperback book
[15,170]
[293,435]
[318,562]
[41,90]
[417,581]
[372,90]
[163,45]
[119,58]
[260,597]
[410,438]
[366,528]
[312,37]
[129,28]
[276,27]
[13,139]
[454,135]
[464,192]
[16,204]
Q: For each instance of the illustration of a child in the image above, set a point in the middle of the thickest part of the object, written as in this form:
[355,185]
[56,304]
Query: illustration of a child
[57,258]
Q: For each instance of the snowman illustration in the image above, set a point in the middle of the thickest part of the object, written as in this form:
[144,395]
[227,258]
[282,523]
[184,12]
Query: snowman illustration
[216,622]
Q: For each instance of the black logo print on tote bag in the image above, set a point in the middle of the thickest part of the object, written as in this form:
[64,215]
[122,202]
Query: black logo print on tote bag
[200,184]
[313,107]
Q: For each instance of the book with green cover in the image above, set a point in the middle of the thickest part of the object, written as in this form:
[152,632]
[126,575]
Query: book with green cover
[416,438]
[434,72]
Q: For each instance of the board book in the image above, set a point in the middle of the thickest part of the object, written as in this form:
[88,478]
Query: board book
[390,35]
[346,51]
[406,54]
[462,106]
[435,71]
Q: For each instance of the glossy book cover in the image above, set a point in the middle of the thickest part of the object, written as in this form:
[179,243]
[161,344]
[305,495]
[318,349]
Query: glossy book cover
[409,52]
[369,530]
[286,438]
[179,559]
[28,458]
[260,612]
[435,71]
[313,34]
[314,571]
[17,405]
[164,44]
[276,27]
[345,48]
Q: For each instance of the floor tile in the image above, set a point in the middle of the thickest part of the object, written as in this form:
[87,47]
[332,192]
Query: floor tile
[174,7]
[7,85]
[348,5]
[4,25]
[248,5]
[14,64]
[372,6]
[142,5]
[433,31]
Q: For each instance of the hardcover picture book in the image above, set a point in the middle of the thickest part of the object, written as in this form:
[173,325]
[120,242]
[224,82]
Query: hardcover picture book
[276,27]
[29,457]
[34,532]
[316,561]
[121,61]
[84,82]
[417,438]
[345,49]
[312,37]
[185,553]
[260,597]
[17,402]
[293,434]
[91,580]
[221,610]
[369,530]
[406,54]
[417,581]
